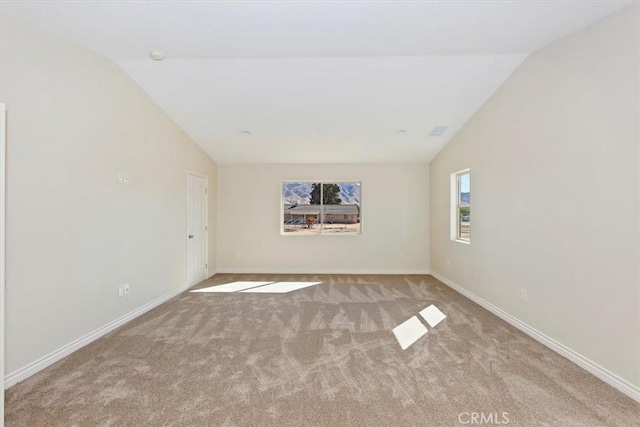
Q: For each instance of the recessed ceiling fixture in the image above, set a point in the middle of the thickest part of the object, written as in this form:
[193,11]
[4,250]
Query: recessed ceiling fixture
[246,132]
[438,130]
[156,55]
[402,131]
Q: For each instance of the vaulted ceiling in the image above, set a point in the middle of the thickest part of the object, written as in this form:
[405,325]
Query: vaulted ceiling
[316,81]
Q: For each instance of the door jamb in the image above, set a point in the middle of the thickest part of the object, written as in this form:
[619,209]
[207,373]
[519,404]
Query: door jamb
[3,252]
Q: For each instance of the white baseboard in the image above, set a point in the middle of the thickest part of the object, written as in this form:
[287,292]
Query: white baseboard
[34,367]
[307,271]
[211,273]
[593,368]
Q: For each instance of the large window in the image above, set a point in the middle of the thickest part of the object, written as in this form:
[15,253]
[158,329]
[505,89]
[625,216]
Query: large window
[461,206]
[321,208]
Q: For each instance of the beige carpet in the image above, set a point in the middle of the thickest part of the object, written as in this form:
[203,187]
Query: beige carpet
[319,356]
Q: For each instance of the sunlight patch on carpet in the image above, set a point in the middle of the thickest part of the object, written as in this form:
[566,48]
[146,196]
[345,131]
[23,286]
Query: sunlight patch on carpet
[409,332]
[281,287]
[432,315]
[231,287]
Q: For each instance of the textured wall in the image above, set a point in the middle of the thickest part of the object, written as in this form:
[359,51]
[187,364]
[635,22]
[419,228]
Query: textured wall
[73,233]
[554,163]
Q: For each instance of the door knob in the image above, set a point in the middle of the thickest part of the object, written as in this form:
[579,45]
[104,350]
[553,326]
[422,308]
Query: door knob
[191,236]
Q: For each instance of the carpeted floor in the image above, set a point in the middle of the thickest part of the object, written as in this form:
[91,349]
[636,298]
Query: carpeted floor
[319,356]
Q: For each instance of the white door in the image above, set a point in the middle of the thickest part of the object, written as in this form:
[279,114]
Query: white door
[196,228]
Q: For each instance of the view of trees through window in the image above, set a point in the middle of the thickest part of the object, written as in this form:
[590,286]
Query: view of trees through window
[321,207]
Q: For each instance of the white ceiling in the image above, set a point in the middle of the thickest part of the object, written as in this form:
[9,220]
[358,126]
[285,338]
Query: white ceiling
[316,81]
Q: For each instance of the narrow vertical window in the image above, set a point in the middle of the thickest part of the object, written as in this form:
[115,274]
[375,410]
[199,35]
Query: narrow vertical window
[461,206]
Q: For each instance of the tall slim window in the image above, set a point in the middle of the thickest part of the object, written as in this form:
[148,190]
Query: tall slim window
[461,206]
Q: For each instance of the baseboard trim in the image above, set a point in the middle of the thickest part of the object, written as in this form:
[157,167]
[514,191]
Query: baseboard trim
[34,367]
[588,365]
[237,270]
[211,273]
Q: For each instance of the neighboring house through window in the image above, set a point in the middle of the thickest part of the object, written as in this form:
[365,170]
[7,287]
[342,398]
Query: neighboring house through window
[310,207]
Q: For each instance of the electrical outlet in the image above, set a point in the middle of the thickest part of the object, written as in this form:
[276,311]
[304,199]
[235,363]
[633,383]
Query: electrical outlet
[120,290]
[523,295]
[126,288]
[123,178]
[448,263]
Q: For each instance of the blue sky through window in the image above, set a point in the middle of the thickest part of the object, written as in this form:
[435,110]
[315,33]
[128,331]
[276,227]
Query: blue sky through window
[465,183]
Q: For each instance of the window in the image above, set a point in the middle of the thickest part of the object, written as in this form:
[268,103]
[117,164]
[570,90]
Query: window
[461,206]
[310,208]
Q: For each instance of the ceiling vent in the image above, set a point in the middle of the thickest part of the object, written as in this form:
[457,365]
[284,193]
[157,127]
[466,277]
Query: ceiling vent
[438,130]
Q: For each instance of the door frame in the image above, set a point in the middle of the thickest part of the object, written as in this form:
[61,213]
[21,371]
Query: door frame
[206,219]
[3,252]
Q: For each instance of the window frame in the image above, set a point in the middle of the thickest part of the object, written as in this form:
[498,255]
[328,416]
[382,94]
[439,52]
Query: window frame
[318,181]
[455,206]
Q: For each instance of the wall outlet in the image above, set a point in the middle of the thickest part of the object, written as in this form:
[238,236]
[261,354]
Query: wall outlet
[448,263]
[123,178]
[523,295]
[120,290]
[126,288]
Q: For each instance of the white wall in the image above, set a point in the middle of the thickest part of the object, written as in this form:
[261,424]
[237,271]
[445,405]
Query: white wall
[554,161]
[74,234]
[395,221]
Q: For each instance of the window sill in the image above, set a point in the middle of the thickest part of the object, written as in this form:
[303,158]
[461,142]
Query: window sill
[320,234]
[466,242]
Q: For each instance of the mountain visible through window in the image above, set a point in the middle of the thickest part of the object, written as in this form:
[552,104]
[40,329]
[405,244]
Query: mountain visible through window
[310,208]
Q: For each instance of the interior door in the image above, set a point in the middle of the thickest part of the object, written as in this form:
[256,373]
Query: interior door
[196,228]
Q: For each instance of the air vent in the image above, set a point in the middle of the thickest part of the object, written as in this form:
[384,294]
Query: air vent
[438,130]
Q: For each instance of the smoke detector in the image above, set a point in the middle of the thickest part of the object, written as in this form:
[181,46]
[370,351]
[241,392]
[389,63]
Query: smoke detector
[156,55]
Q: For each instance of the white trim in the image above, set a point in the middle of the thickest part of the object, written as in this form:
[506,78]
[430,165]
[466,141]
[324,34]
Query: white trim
[588,365]
[240,270]
[211,273]
[466,242]
[34,367]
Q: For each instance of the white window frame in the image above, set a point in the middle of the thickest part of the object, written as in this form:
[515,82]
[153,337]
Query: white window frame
[321,181]
[455,206]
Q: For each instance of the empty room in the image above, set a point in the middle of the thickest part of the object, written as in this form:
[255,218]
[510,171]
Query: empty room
[320,213]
